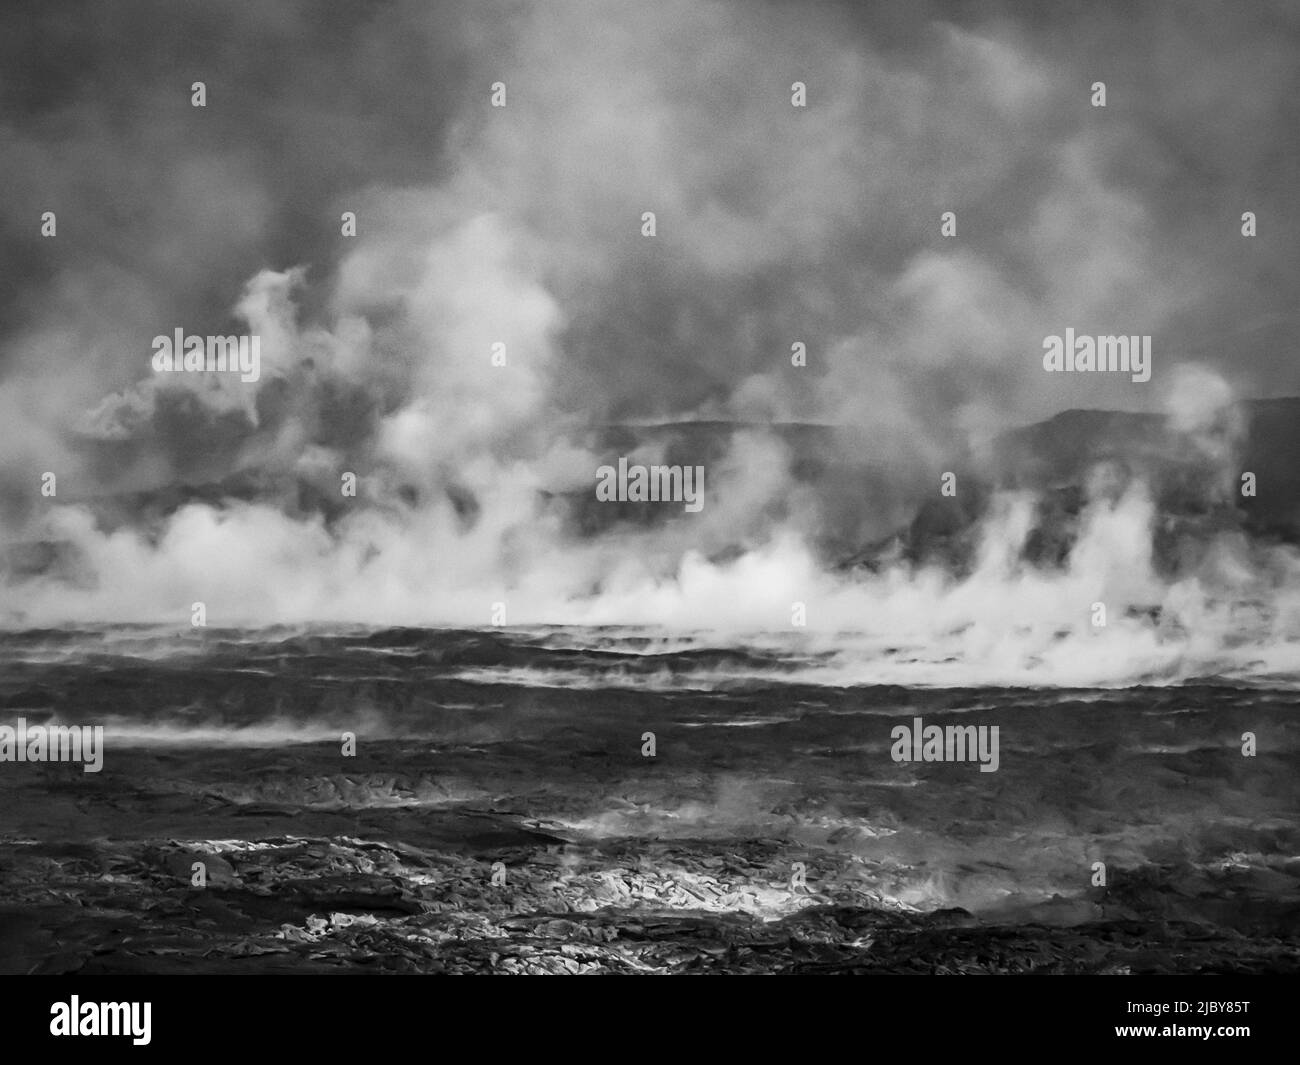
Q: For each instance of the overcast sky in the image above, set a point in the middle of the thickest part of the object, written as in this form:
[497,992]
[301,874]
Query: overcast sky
[522,224]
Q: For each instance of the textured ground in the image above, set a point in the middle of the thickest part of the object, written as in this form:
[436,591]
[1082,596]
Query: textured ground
[614,862]
[402,882]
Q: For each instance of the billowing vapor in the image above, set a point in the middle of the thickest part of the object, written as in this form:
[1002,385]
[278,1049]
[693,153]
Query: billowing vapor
[775,225]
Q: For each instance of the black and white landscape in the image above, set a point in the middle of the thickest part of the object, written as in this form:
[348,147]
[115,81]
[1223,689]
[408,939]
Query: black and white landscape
[617,487]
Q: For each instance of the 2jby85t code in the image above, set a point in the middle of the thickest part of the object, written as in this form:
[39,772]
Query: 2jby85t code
[1188,1007]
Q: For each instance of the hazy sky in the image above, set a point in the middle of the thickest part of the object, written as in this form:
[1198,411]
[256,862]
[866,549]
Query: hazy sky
[522,224]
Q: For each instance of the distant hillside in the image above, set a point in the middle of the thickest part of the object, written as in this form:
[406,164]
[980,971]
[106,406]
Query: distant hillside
[1195,480]
[873,508]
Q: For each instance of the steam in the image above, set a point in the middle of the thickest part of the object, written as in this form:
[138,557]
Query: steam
[468,473]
